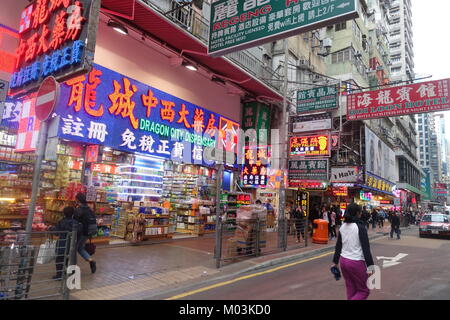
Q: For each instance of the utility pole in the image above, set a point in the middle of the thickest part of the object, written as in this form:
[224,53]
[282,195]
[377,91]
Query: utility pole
[282,150]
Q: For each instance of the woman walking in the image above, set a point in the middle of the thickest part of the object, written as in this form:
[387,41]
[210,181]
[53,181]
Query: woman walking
[353,252]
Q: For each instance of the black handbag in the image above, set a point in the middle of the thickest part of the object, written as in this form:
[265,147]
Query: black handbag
[90,247]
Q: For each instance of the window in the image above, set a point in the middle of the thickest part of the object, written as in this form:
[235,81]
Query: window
[341,26]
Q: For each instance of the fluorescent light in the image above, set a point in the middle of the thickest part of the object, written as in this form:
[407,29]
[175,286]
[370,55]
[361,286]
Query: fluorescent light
[190,66]
[133,187]
[118,27]
[142,194]
[140,174]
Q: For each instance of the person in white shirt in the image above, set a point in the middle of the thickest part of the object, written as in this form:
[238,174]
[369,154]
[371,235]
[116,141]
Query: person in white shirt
[353,252]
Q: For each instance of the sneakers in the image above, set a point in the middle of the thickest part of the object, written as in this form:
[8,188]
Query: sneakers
[93,266]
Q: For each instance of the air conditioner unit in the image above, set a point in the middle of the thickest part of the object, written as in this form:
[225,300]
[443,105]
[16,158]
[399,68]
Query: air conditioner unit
[303,63]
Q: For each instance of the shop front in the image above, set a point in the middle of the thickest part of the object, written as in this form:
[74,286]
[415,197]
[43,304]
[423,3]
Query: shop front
[377,193]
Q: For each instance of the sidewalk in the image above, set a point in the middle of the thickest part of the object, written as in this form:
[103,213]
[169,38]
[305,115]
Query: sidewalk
[137,272]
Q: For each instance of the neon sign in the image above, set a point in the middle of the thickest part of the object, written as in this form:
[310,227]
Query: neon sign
[365,196]
[54,41]
[254,171]
[309,146]
[106,108]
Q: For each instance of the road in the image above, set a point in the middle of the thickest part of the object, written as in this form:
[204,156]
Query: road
[422,273]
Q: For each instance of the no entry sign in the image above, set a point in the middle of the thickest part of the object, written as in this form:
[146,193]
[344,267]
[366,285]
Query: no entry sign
[46,98]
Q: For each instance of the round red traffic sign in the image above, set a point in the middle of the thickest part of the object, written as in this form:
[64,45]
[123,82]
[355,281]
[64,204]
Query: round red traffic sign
[46,98]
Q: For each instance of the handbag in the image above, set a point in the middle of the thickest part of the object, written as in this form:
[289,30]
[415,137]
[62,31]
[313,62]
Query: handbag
[90,247]
[46,252]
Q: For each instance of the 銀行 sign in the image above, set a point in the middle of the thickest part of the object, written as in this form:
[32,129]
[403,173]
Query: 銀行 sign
[317,99]
[106,108]
[57,38]
[421,97]
[310,146]
[239,24]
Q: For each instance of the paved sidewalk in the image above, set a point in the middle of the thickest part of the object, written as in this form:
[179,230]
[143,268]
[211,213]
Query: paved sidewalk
[137,272]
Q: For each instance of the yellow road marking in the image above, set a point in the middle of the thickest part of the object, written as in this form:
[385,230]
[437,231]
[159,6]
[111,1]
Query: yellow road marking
[224,283]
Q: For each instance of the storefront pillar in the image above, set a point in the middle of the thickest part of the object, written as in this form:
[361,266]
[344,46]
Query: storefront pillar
[218,244]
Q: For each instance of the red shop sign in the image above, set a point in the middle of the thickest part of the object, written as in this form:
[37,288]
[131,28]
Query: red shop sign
[421,97]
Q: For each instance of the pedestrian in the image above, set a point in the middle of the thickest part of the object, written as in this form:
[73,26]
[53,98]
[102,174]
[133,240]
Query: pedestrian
[86,217]
[374,217]
[395,226]
[353,253]
[338,217]
[365,217]
[65,225]
[314,214]
[298,216]
[381,219]
[333,224]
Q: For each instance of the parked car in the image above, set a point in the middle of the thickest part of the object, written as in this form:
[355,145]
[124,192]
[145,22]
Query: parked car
[436,224]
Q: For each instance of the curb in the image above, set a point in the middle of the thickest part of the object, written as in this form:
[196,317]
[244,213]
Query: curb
[291,258]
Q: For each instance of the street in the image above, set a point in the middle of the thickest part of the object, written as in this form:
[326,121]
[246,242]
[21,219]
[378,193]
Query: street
[421,273]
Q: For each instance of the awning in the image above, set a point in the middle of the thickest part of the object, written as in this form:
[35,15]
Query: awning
[149,20]
[408,187]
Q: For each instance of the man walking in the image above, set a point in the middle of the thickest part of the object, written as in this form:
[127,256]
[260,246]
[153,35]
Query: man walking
[86,217]
[395,226]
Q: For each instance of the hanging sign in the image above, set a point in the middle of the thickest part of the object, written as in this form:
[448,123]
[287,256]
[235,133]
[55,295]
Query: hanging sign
[310,146]
[317,99]
[239,24]
[340,192]
[421,97]
[254,171]
[314,122]
[346,174]
[379,184]
[57,38]
[299,170]
[303,201]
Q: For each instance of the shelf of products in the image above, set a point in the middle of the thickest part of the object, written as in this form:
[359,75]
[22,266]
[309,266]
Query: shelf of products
[230,202]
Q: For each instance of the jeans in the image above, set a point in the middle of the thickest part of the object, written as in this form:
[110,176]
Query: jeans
[355,275]
[396,230]
[80,247]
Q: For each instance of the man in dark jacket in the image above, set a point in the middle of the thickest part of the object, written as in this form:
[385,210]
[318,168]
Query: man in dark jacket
[82,215]
[67,224]
[395,226]
[365,217]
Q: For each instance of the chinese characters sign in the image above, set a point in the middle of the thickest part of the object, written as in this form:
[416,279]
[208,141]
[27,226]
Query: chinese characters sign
[317,99]
[397,101]
[303,201]
[313,122]
[106,108]
[307,170]
[340,191]
[378,183]
[57,38]
[254,171]
[256,116]
[310,146]
[239,24]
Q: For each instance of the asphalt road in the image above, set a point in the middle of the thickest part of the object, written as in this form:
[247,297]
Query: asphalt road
[423,273]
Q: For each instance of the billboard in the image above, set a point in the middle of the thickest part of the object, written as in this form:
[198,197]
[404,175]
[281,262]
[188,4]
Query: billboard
[380,159]
[421,97]
[239,24]
[346,174]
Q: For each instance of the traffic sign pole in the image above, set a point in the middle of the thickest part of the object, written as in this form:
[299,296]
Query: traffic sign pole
[46,99]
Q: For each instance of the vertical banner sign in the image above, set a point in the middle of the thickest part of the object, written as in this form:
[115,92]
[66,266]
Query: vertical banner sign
[254,171]
[239,24]
[3,93]
[421,97]
[317,99]
[303,201]
[29,125]
[57,38]
[257,116]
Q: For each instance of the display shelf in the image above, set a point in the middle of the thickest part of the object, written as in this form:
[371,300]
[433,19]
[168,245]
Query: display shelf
[103,240]
[159,226]
[13,217]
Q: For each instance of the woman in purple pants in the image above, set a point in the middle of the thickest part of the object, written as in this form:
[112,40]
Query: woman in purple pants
[353,251]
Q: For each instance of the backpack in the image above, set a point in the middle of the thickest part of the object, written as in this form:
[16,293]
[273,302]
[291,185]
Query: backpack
[89,221]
